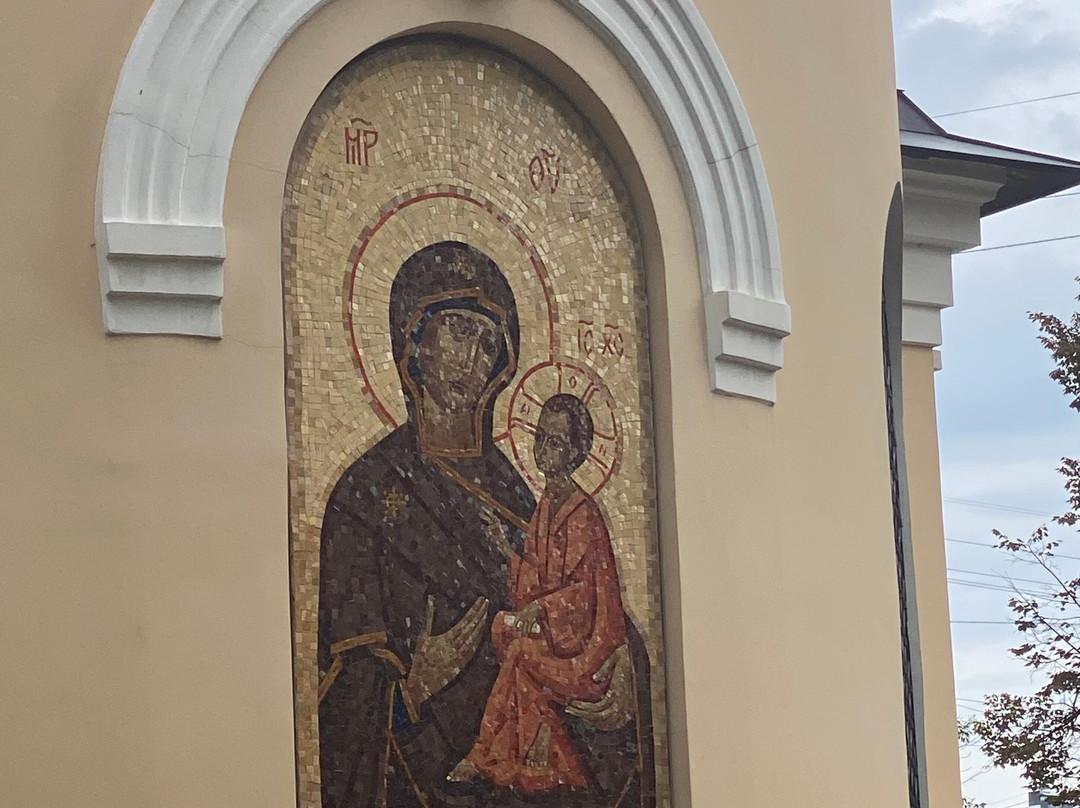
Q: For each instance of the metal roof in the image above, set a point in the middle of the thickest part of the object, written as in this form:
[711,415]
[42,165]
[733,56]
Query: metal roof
[1026,175]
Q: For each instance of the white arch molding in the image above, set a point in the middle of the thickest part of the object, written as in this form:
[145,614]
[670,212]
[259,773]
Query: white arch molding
[194,63]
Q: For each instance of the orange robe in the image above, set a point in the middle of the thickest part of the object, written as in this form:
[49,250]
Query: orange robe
[568,567]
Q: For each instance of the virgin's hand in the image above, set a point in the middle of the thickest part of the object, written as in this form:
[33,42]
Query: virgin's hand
[616,707]
[437,660]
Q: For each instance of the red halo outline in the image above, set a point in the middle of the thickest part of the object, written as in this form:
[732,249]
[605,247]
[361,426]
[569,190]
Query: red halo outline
[395,206]
[595,384]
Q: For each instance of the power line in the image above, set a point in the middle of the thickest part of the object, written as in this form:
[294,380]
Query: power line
[1009,104]
[982,544]
[998,507]
[986,546]
[1018,244]
[999,576]
[996,588]
[980,585]
[998,802]
[1011,590]
[984,622]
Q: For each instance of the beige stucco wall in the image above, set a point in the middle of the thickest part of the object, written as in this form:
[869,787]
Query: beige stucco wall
[932,592]
[144,590]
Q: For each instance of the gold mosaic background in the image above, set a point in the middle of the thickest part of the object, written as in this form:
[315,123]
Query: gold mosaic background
[468,145]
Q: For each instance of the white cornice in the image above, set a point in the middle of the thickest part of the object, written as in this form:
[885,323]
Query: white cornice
[941,217]
[943,210]
[194,63]
[934,184]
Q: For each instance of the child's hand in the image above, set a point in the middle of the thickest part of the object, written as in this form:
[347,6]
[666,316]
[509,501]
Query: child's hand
[528,620]
[496,533]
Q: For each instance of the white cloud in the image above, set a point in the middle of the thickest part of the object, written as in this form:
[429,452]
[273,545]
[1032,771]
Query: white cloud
[1052,69]
[1033,19]
[1050,126]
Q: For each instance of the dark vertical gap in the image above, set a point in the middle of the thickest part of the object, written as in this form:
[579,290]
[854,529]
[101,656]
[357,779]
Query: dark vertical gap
[892,347]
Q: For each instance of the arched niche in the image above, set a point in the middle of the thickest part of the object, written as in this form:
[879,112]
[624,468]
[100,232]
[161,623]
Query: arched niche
[194,63]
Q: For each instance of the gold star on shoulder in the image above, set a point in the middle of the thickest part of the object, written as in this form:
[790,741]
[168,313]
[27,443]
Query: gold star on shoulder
[394,502]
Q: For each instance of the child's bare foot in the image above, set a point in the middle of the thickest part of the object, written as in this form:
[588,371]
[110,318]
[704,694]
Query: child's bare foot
[537,756]
[464,772]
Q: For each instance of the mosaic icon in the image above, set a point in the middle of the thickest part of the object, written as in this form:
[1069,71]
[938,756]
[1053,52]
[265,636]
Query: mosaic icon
[474,565]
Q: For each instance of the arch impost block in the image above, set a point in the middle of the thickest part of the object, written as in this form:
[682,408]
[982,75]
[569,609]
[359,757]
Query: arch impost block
[190,72]
[744,334]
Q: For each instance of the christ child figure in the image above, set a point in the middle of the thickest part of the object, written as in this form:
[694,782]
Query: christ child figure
[567,618]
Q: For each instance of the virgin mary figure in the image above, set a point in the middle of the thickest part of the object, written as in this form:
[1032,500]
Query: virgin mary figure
[408,583]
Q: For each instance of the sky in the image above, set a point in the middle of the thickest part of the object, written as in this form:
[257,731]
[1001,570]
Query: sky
[1003,424]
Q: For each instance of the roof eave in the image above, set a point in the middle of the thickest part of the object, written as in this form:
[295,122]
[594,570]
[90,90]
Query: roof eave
[1028,175]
